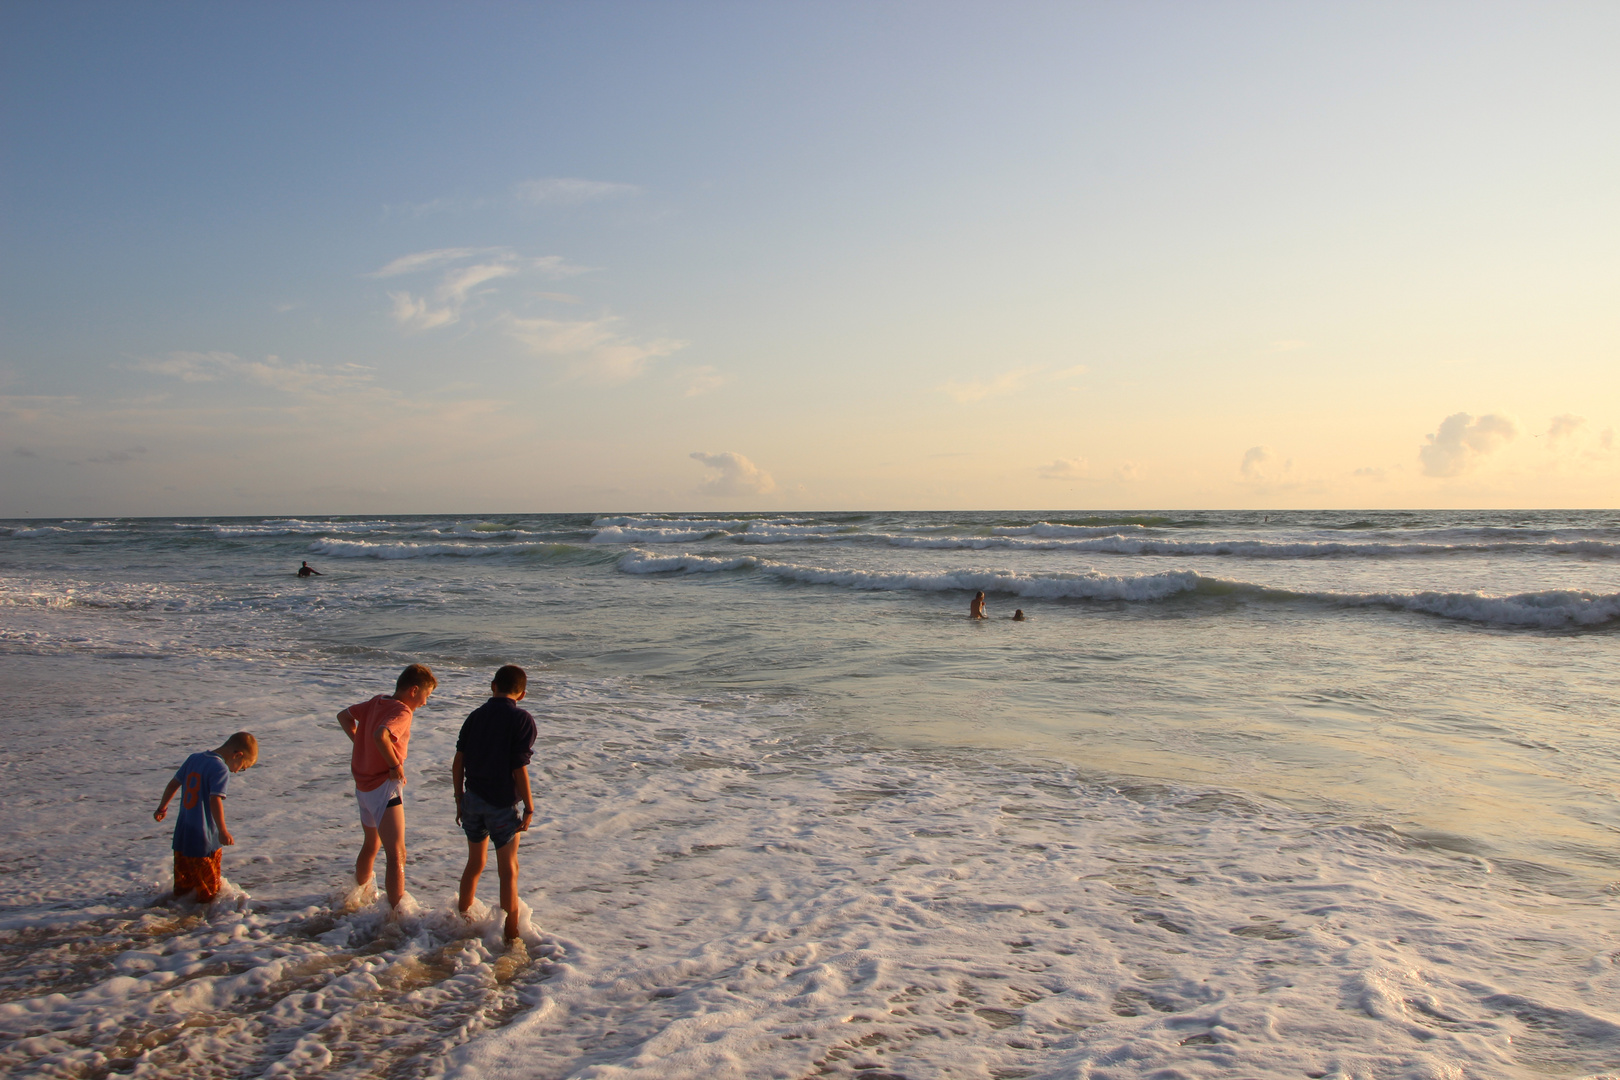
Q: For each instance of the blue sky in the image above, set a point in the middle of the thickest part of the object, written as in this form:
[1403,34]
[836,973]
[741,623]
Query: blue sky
[458,258]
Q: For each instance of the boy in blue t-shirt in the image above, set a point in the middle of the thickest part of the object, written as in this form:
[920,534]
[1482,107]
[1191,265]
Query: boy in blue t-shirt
[199,829]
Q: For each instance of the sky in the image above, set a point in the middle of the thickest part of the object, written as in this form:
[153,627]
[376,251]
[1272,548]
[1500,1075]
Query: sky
[587,257]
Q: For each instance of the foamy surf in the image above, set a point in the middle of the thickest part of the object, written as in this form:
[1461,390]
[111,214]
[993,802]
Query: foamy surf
[797,816]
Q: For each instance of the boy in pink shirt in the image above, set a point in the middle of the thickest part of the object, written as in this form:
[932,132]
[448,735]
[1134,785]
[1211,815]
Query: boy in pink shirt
[380,730]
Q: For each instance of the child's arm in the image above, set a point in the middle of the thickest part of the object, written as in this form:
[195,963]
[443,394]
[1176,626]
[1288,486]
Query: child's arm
[457,780]
[217,803]
[520,780]
[348,723]
[168,793]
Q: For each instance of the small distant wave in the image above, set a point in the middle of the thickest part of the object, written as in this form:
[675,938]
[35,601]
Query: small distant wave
[1549,610]
[296,527]
[704,524]
[43,530]
[333,548]
[765,532]
[622,534]
[1116,544]
[1061,530]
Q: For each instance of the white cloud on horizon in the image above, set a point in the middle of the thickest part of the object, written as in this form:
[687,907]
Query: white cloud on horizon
[1463,441]
[732,474]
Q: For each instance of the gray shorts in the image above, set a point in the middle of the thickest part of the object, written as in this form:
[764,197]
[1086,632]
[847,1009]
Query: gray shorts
[481,821]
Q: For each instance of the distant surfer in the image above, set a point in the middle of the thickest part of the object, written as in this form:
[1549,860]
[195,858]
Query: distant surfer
[309,571]
[1018,616]
[976,609]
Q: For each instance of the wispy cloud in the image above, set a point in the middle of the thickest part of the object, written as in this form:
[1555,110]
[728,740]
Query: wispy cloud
[117,457]
[463,274]
[1256,462]
[592,348]
[699,380]
[272,371]
[732,474]
[966,392]
[1562,427]
[565,190]
[1463,441]
[1008,382]
[1064,469]
[426,260]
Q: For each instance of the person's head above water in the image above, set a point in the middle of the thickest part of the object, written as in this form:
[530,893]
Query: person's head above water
[1018,616]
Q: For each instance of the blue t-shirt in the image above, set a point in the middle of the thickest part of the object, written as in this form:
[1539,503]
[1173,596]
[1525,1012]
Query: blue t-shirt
[203,776]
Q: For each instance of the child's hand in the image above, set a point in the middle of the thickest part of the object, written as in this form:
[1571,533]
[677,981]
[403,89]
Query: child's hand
[397,773]
[160,813]
[225,837]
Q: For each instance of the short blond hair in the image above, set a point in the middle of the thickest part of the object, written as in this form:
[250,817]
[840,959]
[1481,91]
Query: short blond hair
[243,742]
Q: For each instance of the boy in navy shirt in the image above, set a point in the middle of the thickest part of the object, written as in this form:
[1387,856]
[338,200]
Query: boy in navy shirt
[199,829]
[491,775]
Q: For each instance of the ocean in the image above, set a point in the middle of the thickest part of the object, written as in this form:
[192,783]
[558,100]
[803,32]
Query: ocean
[1303,794]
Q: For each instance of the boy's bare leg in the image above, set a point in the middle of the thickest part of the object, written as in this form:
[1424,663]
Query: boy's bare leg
[392,834]
[368,856]
[477,856]
[506,864]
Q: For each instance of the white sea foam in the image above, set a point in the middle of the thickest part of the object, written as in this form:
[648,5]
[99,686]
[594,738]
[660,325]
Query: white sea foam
[718,895]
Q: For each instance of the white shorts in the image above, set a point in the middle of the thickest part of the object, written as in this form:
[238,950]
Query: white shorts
[375,803]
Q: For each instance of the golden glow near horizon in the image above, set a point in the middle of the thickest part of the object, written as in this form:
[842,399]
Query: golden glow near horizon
[816,256]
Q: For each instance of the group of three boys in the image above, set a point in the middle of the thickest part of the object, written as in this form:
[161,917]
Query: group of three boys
[490,775]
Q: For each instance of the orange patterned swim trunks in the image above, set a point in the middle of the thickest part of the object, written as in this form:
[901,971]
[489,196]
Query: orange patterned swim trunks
[198,874]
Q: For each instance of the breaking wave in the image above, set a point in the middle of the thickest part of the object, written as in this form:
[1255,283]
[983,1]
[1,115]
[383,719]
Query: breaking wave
[1551,609]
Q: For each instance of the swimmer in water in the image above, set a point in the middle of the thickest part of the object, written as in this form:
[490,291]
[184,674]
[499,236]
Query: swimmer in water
[308,571]
[1018,616]
[976,609]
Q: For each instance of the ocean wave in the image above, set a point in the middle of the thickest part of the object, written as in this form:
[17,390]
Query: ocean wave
[333,548]
[296,527]
[43,530]
[704,524]
[1551,609]
[620,534]
[1088,585]
[1059,530]
[1115,544]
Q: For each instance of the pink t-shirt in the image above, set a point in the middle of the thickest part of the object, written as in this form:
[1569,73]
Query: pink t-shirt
[367,763]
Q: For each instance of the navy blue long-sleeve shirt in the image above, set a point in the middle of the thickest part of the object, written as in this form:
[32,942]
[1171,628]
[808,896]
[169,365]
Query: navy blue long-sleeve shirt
[497,738]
